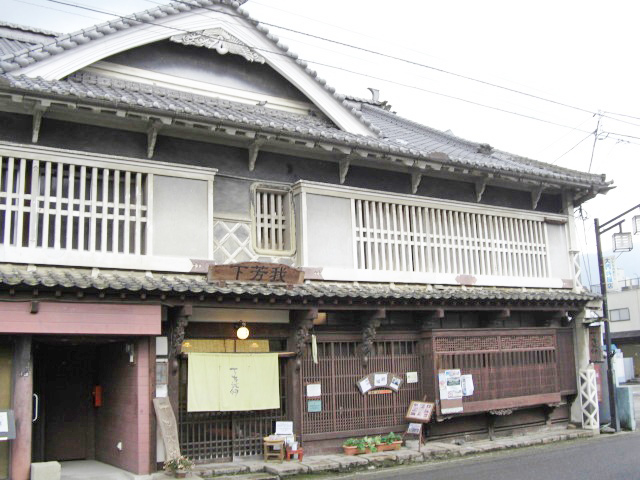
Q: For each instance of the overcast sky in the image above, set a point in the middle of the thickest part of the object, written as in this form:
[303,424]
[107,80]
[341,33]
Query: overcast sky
[578,53]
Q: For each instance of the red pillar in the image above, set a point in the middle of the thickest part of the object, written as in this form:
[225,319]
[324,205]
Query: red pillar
[22,402]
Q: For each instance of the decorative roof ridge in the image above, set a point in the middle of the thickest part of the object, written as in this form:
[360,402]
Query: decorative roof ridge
[21,59]
[26,28]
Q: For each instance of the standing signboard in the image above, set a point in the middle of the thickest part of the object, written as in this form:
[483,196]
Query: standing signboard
[418,414]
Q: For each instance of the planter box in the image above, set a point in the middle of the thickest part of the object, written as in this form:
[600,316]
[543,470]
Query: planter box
[389,446]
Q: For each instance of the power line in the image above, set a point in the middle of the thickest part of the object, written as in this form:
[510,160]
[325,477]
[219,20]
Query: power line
[412,62]
[452,97]
[363,49]
[592,133]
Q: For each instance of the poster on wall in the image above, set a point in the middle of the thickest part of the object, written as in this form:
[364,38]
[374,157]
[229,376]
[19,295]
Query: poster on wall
[380,380]
[467,385]
[314,390]
[450,389]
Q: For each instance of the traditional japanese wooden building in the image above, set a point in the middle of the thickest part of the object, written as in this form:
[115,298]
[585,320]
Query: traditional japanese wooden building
[137,155]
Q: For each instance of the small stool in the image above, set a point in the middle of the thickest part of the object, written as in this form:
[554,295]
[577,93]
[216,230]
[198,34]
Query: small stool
[270,452]
[299,451]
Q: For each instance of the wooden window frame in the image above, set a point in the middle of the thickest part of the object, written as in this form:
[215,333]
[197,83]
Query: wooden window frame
[286,234]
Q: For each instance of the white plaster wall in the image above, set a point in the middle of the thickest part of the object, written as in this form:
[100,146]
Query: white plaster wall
[329,235]
[559,259]
[625,299]
[180,217]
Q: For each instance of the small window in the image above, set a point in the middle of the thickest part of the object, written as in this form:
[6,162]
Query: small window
[273,231]
[619,314]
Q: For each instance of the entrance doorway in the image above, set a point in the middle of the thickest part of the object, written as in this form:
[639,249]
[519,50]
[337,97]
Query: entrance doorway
[64,417]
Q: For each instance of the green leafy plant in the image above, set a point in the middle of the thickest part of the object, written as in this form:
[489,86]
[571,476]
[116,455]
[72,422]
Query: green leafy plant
[179,463]
[391,437]
[350,442]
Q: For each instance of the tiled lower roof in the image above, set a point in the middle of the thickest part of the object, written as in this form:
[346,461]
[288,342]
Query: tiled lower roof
[132,281]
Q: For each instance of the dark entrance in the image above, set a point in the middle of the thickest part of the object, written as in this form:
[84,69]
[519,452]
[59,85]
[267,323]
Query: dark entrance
[64,420]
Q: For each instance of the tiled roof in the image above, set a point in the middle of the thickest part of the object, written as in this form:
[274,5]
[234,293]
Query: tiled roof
[412,134]
[13,63]
[130,281]
[9,46]
[400,137]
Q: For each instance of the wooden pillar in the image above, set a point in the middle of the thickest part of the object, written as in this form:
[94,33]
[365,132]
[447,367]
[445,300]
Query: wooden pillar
[370,323]
[178,324]
[302,322]
[23,408]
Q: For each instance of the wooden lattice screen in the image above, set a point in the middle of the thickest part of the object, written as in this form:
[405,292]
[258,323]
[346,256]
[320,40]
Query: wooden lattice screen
[61,205]
[408,238]
[510,368]
[224,435]
[344,408]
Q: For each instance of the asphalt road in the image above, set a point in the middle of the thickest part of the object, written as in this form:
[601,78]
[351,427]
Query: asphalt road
[602,458]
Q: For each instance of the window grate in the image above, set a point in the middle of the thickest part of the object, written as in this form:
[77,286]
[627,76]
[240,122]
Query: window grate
[408,238]
[58,205]
[272,220]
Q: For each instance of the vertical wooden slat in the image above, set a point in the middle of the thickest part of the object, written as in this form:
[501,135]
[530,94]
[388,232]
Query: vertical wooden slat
[82,207]
[396,244]
[280,217]
[47,200]
[272,220]
[115,232]
[93,220]
[127,212]
[360,233]
[70,207]
[21,191]
[105,208]
[138,232]
[373,234]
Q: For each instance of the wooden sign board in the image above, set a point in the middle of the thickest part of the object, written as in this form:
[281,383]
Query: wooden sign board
[256,272]
[595,344]
[168,427]
[380,380]
[420,411]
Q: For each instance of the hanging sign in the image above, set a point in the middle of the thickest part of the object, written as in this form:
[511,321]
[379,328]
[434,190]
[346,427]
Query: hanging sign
[380,380]
[258,272]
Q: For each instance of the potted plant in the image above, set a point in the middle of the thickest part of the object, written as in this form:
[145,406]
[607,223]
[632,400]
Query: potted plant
[350,446]
[391,441]
[179,467]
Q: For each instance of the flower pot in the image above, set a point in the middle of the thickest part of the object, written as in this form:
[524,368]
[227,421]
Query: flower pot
[350,450]
[180,473]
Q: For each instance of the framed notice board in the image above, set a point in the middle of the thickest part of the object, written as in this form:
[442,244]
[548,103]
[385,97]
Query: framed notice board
[420,411]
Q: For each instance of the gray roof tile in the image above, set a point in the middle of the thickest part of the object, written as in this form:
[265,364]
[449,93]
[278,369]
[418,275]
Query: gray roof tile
[130,281]
[400,136]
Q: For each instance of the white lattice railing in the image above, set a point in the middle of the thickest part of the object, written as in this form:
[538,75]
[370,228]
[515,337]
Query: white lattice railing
[65,206]
[589,399]
[397,237]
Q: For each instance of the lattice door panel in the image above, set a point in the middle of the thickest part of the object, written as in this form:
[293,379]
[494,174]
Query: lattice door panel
[223,435]
[344,408]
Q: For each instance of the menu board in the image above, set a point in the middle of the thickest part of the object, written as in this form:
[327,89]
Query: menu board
[420,411]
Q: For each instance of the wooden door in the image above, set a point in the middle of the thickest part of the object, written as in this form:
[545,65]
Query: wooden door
[67,382]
